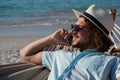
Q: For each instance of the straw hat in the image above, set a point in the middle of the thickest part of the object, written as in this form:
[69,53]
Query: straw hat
[102,19]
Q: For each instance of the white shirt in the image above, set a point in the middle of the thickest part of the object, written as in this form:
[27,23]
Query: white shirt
[93,66]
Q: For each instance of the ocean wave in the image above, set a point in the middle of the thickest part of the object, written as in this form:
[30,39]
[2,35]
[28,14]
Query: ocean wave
[40,23]
[117,14]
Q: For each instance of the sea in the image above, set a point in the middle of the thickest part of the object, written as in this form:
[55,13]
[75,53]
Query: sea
[42,17]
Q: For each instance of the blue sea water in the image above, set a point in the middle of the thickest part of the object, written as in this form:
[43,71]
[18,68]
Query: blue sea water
[14,13]
[30,11]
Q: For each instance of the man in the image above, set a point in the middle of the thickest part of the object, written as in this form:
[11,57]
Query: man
[91,35]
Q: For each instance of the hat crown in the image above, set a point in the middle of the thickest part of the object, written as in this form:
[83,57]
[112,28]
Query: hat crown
[102,16]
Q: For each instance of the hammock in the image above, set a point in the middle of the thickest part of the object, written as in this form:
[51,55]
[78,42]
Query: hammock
[29,71]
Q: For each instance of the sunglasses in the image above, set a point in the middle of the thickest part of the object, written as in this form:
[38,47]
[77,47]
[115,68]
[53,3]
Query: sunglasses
[77,28]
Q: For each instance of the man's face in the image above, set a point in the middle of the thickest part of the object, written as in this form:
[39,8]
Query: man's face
[82,36]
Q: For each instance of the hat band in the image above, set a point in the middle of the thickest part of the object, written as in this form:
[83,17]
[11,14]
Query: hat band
[96,22]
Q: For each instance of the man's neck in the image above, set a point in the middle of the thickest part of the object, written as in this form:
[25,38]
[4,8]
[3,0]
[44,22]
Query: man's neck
[85,47]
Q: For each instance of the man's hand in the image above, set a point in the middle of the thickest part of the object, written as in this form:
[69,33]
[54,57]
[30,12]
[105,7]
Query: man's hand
[60,36]
[32,52]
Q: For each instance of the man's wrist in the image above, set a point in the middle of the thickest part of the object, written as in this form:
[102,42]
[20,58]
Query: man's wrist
[51,39]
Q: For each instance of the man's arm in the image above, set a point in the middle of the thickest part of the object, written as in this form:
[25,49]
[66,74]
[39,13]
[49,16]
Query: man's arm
[32,52]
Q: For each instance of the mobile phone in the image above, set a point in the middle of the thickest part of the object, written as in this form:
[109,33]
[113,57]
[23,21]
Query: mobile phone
[70,40]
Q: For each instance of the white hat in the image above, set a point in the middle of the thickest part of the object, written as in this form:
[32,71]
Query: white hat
[102,19]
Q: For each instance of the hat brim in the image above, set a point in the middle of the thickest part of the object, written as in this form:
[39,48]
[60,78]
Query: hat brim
[77,14]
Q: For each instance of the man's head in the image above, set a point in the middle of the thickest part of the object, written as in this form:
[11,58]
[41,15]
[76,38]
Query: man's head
[94,26]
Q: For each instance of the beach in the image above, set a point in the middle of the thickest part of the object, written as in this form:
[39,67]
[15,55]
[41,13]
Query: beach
[15,38]
[22,22]
[9,49]
[11,43]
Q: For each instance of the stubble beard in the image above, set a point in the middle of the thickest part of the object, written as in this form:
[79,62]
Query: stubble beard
[81,45]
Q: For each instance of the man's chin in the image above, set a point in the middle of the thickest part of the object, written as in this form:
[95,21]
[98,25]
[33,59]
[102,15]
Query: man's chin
[75,45]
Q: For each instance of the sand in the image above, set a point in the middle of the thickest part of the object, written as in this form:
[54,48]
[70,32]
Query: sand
[10,47]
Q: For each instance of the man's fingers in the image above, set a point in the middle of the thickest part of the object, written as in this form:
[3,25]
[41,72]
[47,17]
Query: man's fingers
[63,31]
[59,36]
[67,36]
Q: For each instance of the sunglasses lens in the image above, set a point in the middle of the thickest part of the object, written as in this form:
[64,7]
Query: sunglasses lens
[75,27]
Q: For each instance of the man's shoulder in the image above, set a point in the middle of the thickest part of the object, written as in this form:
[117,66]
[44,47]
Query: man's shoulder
[65,53]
